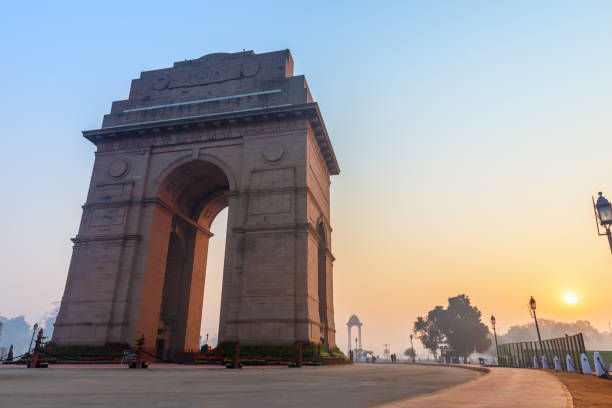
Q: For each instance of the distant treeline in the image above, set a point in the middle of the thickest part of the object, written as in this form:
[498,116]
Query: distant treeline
[18,332]
[593,338]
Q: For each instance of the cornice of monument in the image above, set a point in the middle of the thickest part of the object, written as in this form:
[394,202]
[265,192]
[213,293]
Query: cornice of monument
[308,111]
[213,90]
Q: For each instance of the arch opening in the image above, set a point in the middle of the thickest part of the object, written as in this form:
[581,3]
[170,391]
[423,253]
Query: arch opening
[195,190]
[211,311]
[193,194]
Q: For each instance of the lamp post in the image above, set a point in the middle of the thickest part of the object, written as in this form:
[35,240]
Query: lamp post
[603,217]
[495,334]
[33,333]
[532,309]
[412,348]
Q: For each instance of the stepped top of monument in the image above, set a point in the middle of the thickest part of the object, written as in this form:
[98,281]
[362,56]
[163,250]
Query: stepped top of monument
[213,88]
[214,83]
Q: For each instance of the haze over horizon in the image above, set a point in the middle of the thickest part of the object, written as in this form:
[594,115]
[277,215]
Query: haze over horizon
[470,139]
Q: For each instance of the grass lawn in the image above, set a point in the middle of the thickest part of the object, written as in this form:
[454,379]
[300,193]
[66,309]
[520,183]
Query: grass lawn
[606,355]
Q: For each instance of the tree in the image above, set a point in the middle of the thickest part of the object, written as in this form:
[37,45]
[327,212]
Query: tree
[410,353]
[9,356]
[16,331]
[49,320]
[464,331]
[458,325]
[428,330]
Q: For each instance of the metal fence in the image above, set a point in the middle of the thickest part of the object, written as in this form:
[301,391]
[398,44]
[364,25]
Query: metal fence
[521,354]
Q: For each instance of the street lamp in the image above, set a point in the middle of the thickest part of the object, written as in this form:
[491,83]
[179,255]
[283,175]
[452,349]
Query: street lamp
[412,347]
[495,334]
[532,309]
[33,333]
[603,216]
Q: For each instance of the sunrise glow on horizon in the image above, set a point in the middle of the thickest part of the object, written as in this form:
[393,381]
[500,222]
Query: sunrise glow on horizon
[570,298]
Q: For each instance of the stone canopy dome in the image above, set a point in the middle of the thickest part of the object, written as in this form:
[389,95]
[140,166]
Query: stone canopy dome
[354,321]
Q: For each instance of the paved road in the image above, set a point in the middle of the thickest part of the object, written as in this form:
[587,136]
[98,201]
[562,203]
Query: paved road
[501,387]
[360,385]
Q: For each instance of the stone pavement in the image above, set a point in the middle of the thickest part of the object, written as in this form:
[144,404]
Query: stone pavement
[501,387]
[359,385]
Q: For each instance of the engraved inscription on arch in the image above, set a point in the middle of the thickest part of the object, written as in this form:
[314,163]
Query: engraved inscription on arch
[107,216]
[270,204]
[272,178]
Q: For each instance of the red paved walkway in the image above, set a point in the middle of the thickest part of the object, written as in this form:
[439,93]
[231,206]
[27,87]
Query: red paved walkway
[501,387]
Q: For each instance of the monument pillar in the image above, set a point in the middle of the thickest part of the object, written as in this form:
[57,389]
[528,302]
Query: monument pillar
[349,339]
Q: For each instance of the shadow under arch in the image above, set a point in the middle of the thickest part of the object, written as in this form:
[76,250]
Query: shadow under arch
[181,161]
[189,195]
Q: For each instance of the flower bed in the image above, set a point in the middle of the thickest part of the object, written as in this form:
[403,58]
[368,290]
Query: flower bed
[81,354]
[334,360]
[268,354]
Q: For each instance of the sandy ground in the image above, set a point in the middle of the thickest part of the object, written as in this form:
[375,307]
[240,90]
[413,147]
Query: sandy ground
[587,390]
[359,385]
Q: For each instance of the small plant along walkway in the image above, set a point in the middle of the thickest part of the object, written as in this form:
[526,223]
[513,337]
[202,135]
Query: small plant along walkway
[501,387]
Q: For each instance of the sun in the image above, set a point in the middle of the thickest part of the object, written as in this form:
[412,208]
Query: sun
[570,298]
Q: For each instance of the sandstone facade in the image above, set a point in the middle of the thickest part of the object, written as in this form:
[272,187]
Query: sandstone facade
[225,130]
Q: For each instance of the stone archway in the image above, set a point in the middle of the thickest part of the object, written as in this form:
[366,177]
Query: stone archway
[225,130]
[193,193]
[354,321]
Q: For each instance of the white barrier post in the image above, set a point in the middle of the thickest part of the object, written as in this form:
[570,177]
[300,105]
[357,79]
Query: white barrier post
[570,365]
[544,362]
[600,368]
[535,362]
[586,367]
[557,364]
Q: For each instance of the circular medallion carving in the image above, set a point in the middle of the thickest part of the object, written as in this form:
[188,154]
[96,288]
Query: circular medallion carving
[118,168]
[250,68]
[161,82]
[273,152]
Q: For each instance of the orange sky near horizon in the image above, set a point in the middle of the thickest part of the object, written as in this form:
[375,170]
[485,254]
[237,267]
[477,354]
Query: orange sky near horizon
[394,267]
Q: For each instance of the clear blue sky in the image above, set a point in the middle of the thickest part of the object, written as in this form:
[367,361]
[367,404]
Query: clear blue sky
[470,135]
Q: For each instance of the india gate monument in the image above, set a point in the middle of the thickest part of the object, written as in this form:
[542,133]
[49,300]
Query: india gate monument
[224,130]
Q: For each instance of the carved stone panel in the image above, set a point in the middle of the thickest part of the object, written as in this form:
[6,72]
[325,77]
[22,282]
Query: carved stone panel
[272,178]
[113,192]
